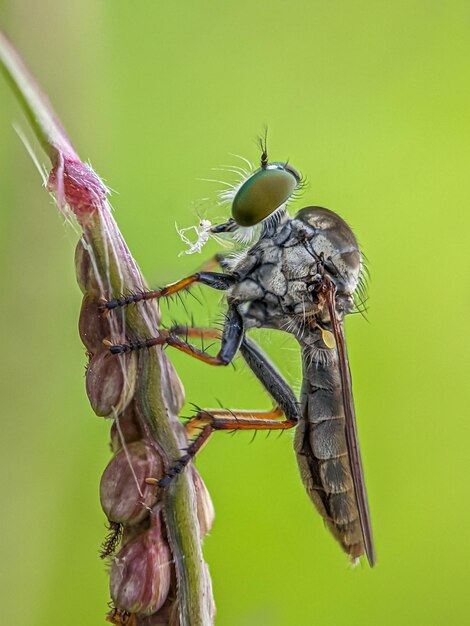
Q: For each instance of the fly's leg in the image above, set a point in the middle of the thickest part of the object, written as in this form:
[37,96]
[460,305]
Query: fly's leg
[196,332]
[205,422]
[211,279]
[231,338]
[270,378]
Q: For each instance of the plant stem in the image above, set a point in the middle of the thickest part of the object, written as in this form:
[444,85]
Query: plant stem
[158,392]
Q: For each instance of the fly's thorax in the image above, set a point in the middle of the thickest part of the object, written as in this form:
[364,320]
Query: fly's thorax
[329,238]
[275,286]
[282,274]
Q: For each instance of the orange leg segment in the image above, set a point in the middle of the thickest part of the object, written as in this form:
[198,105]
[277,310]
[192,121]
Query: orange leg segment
[211,279]
[205,422]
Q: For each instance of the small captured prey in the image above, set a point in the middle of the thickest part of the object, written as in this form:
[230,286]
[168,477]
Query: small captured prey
[300,276]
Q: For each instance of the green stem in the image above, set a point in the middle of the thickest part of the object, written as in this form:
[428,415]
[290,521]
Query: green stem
[155,376]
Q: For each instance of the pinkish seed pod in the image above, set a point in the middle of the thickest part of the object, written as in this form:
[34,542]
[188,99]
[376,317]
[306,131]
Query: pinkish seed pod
[141,572]
[175,614]
[79,186]
[205,508]
[125,496]
[129,428]
[163,617]
[173,392]
[131,531]
[208,593]
[93,326]
[110,382]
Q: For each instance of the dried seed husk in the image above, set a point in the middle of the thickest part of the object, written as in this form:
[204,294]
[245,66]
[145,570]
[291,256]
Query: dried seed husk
[208,593]
[129,430]
[141,572]
[93,326]
[205,508]
[168,615]
[124,494]
[110,382]
[174,392]
[174,614]
[131,531]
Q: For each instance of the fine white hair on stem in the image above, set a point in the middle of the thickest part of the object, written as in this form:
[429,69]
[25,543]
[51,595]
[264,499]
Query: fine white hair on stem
[29,149]
[118,331]
[106,239]
[91,254]
[60,193]
[110,247]
[108,190]
[126,451]
[59,196]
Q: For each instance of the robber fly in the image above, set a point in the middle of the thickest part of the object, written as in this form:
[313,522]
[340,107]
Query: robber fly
[300,276]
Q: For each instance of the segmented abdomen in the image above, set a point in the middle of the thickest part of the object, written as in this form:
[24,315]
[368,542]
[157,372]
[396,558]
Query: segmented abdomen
[320,444]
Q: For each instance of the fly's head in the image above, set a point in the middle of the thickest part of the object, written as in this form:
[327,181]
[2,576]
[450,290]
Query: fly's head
[264,193]
[258,202]
[336,254]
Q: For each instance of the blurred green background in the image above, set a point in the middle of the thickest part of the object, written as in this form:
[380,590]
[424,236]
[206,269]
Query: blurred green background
[371,101]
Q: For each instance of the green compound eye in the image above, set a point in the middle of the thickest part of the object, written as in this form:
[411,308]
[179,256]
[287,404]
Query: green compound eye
[264,192]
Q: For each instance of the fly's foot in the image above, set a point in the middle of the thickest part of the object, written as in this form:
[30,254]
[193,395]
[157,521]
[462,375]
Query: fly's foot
[132,346]
[114,303]
[102,306]
[173,471]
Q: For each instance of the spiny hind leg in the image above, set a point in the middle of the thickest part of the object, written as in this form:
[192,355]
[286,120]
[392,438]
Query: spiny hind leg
[205,422]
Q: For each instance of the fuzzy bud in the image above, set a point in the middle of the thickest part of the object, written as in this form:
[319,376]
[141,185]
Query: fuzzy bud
[141,572]
[110,382]
[125,496]
[77,184]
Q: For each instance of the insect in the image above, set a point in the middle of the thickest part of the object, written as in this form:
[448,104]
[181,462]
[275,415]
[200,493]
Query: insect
[300,275]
